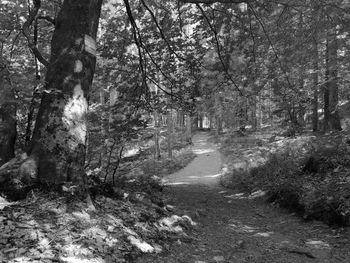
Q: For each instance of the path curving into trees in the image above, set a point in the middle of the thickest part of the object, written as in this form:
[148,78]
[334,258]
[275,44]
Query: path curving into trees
[204,169]
[236,227]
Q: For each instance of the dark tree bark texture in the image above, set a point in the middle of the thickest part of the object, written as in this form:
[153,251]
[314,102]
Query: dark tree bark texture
[315,84]
[7,116]
[59,137]
[331,114]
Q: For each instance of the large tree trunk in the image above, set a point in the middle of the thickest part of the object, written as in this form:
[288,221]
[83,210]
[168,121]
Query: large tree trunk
[7,116]
[59,137]
[331,115]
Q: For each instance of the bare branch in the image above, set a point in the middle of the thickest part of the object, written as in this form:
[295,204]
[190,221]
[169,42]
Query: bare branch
[219,50]
[26,32]
[273,47]
[140,44]
[161,31]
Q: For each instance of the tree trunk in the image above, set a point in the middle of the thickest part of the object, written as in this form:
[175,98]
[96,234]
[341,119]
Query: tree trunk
[188,128]
[157,154]
[8,110]
[253,113]
[170,134]
[59,137]
[315,77]
[331,116]
[218,125]
[315,90]
[200,118]
[195,122]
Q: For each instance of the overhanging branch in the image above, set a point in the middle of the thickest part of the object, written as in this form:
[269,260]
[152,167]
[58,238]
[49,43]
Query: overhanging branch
[26,32]
[219,50]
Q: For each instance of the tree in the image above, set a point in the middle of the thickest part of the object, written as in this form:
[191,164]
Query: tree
[331,115]
[7,115]
[59,139]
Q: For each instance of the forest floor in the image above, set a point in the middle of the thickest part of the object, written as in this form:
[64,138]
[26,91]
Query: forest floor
[238,227]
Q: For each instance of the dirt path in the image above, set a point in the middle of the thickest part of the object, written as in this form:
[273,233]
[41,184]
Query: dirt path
[233,227]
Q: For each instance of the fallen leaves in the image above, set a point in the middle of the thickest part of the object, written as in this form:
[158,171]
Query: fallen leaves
[141,245]
[51,230]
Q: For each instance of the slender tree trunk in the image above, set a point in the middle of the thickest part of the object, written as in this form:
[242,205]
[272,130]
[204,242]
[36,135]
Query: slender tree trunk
[333,84]
[104,150]
[195,122]
[33,105]
[315,74]
[188,128]
[219,114]
[180,118]
[332,119]
[315,87]
[8,110]
[157,154]
[253,114]
[200,118]
[170,133]
[59,137]
[218,125]
[326,93]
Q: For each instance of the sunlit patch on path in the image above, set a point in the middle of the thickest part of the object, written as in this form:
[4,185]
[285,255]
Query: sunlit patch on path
[206,165]
[253,195]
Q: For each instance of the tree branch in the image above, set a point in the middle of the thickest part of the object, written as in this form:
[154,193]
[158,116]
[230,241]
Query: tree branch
[26,32]
[219,50]
[273,48]
[161,31]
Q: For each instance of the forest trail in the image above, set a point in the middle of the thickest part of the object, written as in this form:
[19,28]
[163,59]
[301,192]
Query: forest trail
[204,169]
[236,227]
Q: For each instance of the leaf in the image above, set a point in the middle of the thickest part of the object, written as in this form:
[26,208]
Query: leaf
[143,246]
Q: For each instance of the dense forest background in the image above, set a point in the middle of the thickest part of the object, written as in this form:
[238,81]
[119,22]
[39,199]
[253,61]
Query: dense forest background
[99,92]
[249,64]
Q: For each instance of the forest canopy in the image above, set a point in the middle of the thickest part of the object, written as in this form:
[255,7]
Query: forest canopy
[82,77]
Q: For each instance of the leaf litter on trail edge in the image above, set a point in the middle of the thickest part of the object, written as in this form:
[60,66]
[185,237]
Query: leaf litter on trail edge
[47,230]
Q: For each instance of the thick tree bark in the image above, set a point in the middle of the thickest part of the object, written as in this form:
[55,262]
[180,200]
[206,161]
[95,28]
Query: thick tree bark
[7,116]
[59,137]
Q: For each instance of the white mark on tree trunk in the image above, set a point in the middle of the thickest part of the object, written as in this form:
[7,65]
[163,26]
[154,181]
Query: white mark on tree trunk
[74,117]
[78,67]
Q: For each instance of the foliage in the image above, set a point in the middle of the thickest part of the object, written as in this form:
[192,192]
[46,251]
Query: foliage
[76,233]
[317,189]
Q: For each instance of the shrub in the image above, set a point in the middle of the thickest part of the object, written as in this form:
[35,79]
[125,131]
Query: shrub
[312,181]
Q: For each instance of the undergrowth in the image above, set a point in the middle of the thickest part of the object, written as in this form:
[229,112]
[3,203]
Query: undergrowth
[309,178]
